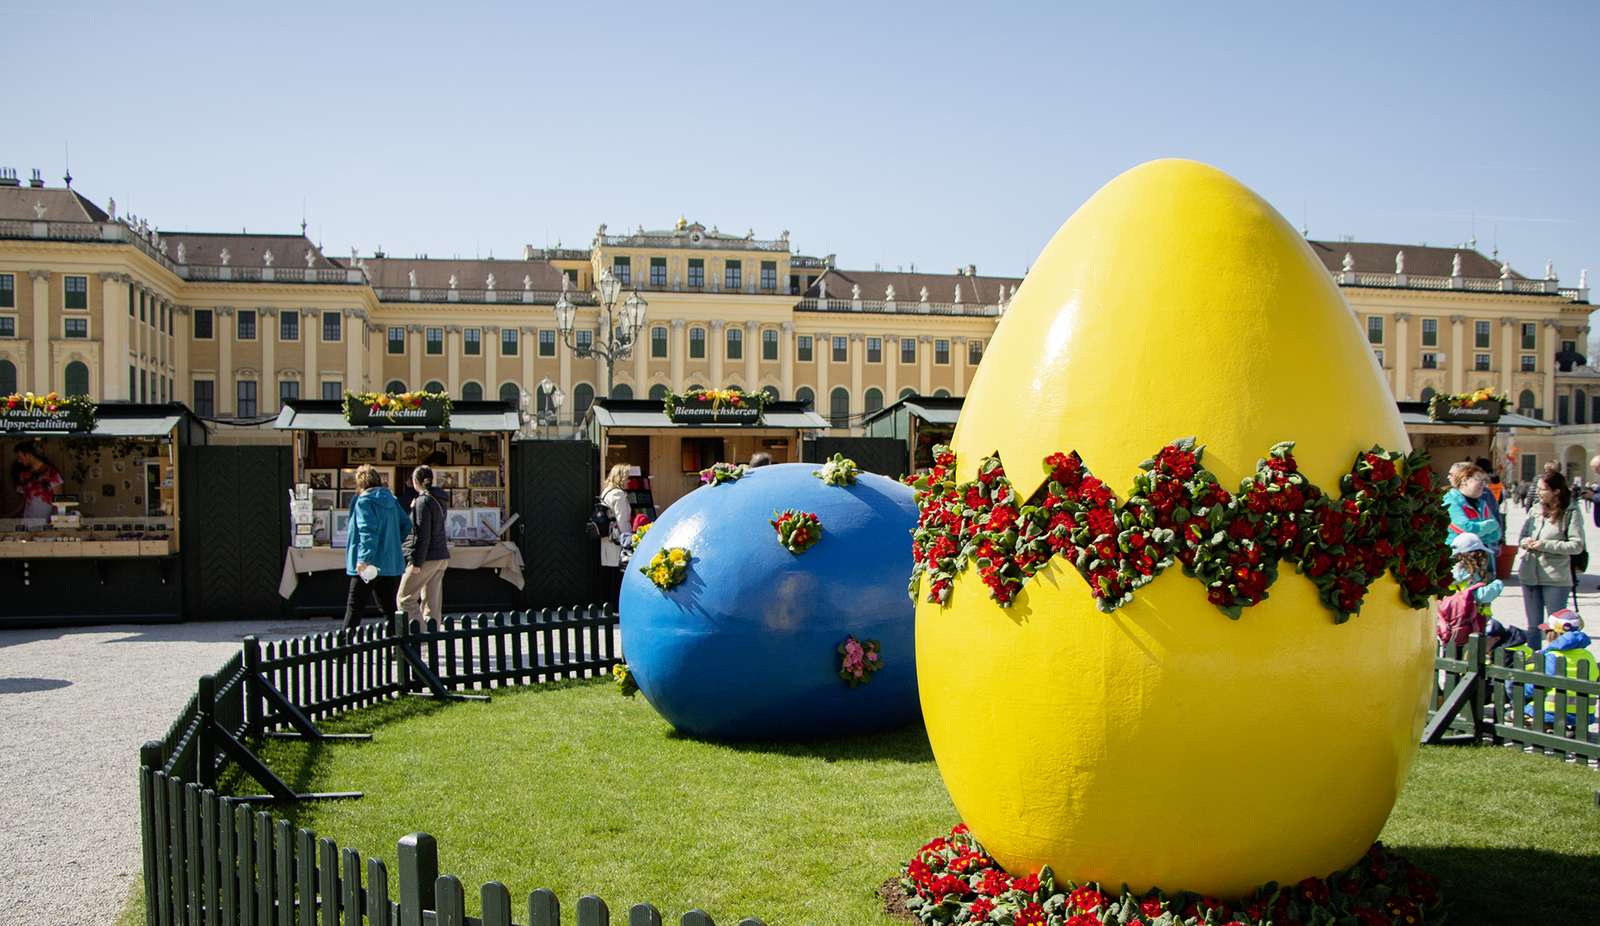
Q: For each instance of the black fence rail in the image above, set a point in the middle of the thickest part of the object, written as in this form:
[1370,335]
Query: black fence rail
[1505,696]
[212,859]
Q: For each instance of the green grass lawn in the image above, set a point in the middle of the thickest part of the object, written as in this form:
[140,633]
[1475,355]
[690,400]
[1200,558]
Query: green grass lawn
[579,790]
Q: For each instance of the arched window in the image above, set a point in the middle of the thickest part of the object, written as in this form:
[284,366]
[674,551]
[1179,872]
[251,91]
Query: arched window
[907,393]
[472,392]
[1580,406]
[582,398]
[805,396]
[622,391]
[771,392]
[8,377]
[77,378]
[659,392]
[1526,402]
[941,393]
[511,392]
[1428,393]
[695,387]
[839,407]
[874,400]
[396,386]
[433,386]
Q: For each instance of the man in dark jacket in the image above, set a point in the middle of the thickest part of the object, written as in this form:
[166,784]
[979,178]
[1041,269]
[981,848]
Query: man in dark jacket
[427,551]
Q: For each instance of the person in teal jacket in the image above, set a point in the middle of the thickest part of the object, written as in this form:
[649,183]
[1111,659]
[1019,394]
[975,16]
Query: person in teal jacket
[1472,507]
[373,559]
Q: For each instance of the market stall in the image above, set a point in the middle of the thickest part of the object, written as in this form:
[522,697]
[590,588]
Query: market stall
[90,509]
[468,446]
[921,421]
[1453,429]
[669,442]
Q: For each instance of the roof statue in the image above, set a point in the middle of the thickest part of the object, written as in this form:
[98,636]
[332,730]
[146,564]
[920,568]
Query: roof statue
[1549,269]
[1505,270]
[855,292]
[38,208]
[111,207]
[683,222]
[888,294]
[1349,263]
[1399,263]
[749,234]
[311,258]
[601,231]
[784,236]
[181,255]
[267,258]
[822,288]
[924,294]
[162,248]
[452,281]
[411,277]
[226,257]
[1455,265]
[527,282]
[958,294]
[1012,297]
[566,282]
[1583,279]
[489,283]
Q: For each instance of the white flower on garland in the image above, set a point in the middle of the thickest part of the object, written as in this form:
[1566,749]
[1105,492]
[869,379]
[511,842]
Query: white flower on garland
[838,471]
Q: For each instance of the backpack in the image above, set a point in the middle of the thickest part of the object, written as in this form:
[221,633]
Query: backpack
[599,524]
[1459,616]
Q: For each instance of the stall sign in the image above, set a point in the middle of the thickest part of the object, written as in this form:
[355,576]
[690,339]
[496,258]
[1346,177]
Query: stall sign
[1481,407]
[407,409]
[47,413]
[716,406]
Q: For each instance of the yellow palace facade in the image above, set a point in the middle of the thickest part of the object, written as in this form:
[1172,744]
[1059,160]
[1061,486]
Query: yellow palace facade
[233,324]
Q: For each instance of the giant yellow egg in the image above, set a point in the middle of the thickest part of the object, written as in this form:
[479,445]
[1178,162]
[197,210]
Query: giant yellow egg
[1163,744]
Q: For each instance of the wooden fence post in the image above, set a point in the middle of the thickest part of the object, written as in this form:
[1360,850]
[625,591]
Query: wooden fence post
[252,683]
[419,868]
[592,911]
[643,914]
[205,759]
[543,908]
[398,628]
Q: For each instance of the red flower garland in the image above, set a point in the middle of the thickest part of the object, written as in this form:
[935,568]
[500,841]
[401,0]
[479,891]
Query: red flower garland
[798,531]
[1389,519]
[952,875]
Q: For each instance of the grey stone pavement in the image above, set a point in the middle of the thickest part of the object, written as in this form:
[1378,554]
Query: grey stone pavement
[75,705]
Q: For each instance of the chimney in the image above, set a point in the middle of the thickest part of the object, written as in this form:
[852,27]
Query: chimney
[972,270]
[8,177]
[37,181]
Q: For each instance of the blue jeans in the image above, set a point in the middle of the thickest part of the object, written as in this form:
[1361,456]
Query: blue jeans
[1538,603]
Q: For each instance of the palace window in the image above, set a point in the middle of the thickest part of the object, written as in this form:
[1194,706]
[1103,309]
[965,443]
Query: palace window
[332,389]
[202,324]
[77,292]
[547,342]
[802,349]
[1529,363]
[732,275]
[434,339]
[622,269]
[1378,352]
[1480,334]
[941,351]
[769,345]
[246,324]
[508,342]
[246,407]
[658,341]
[794,284]
[975,352]
[1530,336]
[658,271]
[769,274]
[397,339]
[735,344]
[8,377]
[585,339]
[839,407]
[1374,329]
[697,343]
[874,350]
[841,349]
[332,326]
[288,389]
[1480,362]
[1430,360]
[697,272]
[8,290]
[908,350]
[75,328]
[472,392]
[288,325]
[472,341]
[1430,332]
[572,277]
[8,329]
[205,398]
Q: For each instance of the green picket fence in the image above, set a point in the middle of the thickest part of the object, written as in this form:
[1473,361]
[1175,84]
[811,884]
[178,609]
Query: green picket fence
[212,860]
[1490,694]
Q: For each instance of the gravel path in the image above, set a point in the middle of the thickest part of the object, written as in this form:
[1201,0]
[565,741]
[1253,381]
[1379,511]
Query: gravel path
[75,705]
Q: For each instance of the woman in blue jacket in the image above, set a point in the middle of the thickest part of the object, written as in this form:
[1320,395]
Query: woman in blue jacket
[377,526]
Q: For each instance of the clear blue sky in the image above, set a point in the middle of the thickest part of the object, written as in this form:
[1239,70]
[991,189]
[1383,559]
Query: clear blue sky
[940,135]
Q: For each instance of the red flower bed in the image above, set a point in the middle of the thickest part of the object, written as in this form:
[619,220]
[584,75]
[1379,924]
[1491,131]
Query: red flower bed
[1389,519]
[952,880]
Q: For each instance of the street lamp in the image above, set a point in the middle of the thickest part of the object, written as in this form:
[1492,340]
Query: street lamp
[617,337]
[553,400]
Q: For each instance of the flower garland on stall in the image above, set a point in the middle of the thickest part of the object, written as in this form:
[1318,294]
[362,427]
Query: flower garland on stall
[1389,518]
[717,399]
[80,408]
[389,404]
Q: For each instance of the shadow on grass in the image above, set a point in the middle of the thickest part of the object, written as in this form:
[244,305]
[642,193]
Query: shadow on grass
[1495,886]
[906,744]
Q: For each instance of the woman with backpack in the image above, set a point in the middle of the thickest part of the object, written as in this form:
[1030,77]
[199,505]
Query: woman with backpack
[614,498]
[1549,542]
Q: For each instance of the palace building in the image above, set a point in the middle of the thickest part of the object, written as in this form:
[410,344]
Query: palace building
[233,324]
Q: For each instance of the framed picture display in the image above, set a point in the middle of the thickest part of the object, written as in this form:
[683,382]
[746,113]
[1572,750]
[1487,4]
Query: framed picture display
[486,498]
[446,450]
[347,479]
[458,524]
[324,499]
[483,477]
[322,479]
[487,522]
[341,528]
[449,477]
[460,498]
[424,447]
[387,474]
[475,458]
[347,497]
[389,451]
[361,454]
[322,527]
[408,453]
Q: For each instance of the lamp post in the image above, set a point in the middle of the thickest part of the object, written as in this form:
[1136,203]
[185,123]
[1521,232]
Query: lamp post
[617,339]
[554,398]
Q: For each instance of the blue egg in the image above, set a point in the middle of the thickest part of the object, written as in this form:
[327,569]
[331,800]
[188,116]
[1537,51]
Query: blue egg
[746,647]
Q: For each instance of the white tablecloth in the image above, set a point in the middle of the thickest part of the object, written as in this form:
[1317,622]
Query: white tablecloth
[503,556]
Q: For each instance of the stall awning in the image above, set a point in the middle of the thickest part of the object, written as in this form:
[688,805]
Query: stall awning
[1508,420]
[148,426]
[648,413]
[934,409]
[328,415]
[114,420]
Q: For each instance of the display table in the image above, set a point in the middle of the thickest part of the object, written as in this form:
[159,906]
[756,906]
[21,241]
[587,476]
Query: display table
[503,556]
